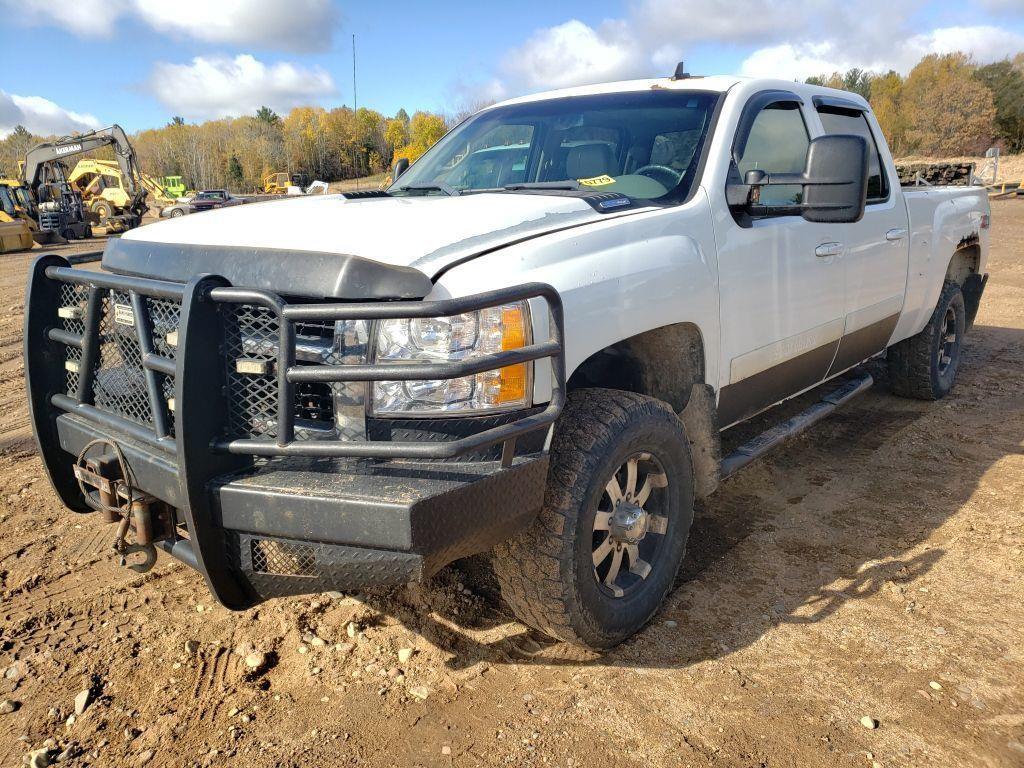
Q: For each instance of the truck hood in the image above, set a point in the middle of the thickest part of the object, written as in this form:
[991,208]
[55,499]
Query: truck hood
[335,247]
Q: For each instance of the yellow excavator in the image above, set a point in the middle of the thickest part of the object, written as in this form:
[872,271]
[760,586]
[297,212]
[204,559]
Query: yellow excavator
[15,234]
[105,190]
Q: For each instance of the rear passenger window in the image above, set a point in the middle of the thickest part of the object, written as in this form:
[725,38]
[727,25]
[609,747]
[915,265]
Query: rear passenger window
[851,122]
[777,143]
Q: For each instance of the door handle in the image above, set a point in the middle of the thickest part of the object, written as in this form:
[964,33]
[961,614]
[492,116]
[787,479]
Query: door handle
[829,249]
[895,234]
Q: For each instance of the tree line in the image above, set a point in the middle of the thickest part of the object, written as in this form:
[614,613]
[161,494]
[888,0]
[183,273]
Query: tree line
[326,144]
[947,105]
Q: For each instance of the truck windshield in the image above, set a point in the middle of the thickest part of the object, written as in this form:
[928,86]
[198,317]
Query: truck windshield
[645,145]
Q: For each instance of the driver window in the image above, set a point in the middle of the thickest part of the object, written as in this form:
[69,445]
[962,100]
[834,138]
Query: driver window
[778,143]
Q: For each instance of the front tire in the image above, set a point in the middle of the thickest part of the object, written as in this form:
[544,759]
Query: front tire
[924,367]
[104,211]
[600,557]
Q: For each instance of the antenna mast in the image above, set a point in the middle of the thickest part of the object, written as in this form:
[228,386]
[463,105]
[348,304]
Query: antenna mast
[355,100]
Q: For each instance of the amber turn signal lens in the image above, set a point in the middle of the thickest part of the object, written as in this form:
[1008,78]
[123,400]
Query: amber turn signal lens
[513,336]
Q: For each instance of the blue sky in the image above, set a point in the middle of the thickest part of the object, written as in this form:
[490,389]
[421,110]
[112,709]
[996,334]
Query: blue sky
[138,62]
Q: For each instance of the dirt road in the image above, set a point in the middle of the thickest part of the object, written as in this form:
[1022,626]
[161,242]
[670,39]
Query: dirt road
[872,568]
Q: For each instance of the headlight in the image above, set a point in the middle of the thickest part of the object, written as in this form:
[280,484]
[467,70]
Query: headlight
[447,339]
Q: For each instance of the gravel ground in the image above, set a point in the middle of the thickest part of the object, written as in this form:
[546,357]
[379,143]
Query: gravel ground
[866,574]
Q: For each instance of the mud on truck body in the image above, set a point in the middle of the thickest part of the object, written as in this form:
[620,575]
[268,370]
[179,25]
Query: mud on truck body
[528,345]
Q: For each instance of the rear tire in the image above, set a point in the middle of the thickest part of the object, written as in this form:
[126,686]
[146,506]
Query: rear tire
[924,367]
[592,570]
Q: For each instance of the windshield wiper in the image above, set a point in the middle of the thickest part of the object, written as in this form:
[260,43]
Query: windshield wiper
[567,184]
[430,186]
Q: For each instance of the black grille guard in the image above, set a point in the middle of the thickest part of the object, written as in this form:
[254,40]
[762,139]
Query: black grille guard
[209,291]
[195,441]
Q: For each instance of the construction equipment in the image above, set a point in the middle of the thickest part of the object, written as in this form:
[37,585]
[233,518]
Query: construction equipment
[15,234]
[25,211]
[105,190]
[174,186]
[280,183]
[60,205]
[276,183]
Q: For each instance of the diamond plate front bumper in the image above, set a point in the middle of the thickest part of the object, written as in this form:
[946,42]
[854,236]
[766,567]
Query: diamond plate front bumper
[309,515]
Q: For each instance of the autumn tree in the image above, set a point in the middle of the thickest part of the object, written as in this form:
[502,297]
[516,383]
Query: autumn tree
[947,111]
[886,99]
[1006,81]
[425,129]
[855,80]
[14,147]
[396,132]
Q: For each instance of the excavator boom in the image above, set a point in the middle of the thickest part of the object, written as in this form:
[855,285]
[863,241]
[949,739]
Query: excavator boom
[50,153]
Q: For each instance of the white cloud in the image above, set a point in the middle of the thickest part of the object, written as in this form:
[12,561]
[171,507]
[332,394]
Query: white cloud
[649,41]
[791,39]
[219,86]
[1002,6]
[722,21]
[290,24]
[986,44]
[90,18]
[799,61]
[41,116]
[278,24]
[572,53]
[793,62]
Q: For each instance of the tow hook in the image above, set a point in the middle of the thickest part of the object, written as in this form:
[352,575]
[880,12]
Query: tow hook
[140,521]
[106,482]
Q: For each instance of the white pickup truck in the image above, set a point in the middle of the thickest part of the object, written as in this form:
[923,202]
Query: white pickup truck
[528,345]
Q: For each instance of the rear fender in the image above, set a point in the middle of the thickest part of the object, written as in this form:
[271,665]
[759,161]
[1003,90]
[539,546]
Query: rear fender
[943,223]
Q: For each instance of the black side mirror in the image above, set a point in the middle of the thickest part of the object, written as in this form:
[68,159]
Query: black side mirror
[837,179]
[401,166]
[834,181]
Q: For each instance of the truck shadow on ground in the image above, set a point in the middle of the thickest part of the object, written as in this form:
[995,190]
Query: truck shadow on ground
[796,536]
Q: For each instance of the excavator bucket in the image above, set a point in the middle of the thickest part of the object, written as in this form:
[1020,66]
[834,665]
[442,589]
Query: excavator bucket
[14,235]
[48,237]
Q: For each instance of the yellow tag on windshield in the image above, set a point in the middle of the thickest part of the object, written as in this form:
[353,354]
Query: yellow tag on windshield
[597,181]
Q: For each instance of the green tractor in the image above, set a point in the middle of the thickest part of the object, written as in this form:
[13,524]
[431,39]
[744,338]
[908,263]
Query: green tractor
[174,185]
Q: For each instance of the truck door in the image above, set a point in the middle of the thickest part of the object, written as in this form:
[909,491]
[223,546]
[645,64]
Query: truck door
[781,277]
[876,248]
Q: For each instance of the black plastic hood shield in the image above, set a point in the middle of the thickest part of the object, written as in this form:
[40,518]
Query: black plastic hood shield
[309,274]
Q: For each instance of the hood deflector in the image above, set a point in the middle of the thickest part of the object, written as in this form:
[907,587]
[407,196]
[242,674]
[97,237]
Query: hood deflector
[306,273]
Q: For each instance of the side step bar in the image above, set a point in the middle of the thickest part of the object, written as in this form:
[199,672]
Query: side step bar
[803,421]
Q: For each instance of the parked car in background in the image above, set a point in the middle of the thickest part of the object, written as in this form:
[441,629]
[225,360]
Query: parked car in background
[209,199]
[180,208]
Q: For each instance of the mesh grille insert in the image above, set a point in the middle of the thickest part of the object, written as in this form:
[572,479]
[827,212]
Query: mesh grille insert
[120,385]
[283,558]
[251,335]
[73,297]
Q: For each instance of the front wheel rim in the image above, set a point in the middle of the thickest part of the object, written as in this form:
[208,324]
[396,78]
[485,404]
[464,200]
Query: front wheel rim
[629,537]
